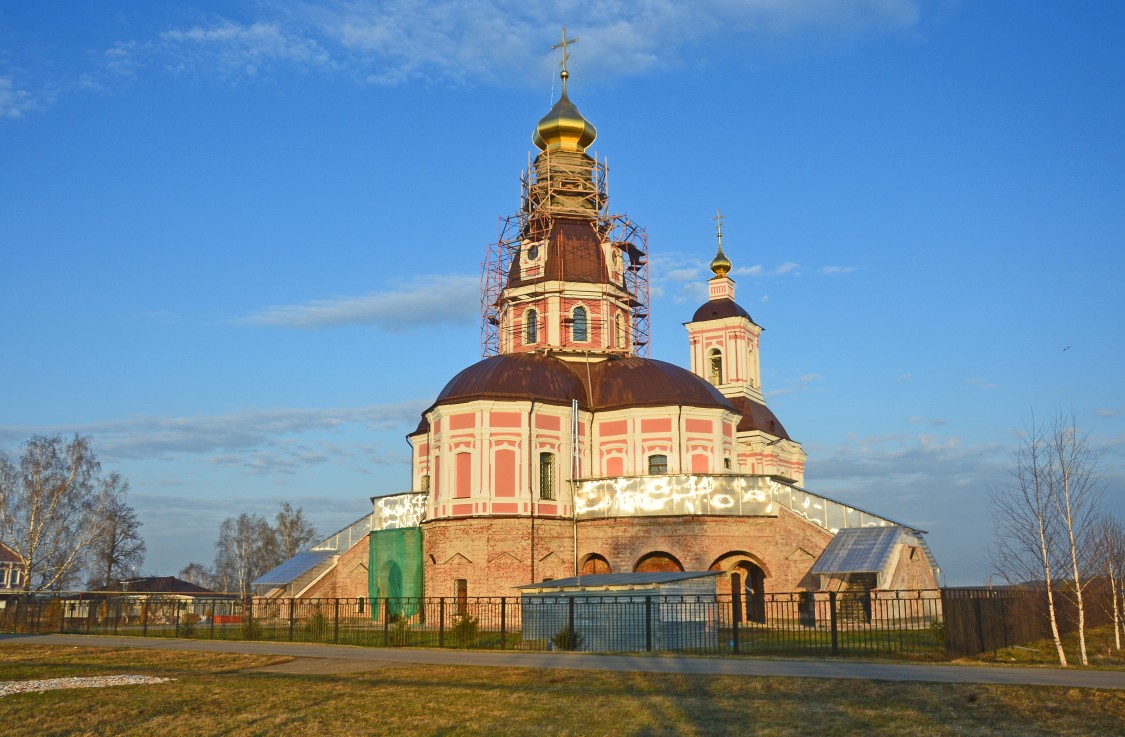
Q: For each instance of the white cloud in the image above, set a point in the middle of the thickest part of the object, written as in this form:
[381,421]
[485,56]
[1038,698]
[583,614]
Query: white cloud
[795,385]
[14,102]
[237,50]
[396,41]
[980,383]
[833,270]
[755,270]
[1110,412]
[788,268]
[245,436]
[420,302]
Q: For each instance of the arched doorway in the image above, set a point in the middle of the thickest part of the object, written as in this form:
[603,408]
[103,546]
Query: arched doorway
[658,562]
[595,564]
[747,581]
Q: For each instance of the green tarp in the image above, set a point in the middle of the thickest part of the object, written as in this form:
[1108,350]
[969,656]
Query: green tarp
[394,571]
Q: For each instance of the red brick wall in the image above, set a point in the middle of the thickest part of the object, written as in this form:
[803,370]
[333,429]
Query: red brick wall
[494,555]
[784,547]
[348,579]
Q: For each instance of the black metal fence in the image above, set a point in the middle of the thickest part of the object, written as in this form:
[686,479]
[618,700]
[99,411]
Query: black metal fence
[904,624]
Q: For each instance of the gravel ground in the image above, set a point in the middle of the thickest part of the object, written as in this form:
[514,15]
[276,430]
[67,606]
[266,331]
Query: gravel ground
[10,687]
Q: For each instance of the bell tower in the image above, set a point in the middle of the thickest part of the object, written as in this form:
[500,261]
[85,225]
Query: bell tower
[723,337]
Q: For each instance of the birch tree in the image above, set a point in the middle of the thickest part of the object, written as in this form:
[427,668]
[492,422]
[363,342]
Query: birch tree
[49,508]
[244,551]
[1028,533]
[1110,545]
[1075,492]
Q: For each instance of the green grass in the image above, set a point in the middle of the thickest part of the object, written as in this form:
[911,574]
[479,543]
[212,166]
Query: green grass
[211,696]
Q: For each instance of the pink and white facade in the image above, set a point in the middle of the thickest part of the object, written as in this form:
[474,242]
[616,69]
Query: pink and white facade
[567,453]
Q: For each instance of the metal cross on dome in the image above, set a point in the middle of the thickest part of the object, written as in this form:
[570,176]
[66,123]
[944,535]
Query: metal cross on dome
[719,218]
[563,45]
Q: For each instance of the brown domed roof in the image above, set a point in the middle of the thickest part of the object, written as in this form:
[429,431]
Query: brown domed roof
[757,416]
[717,309]
[643,382]
[616,383]
[518,376]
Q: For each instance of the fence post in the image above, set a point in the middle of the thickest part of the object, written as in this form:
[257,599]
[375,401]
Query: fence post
[735,619]
[336,622]
[570,636]
[386,621]
[832,618]
[441,622]
[214,607]
[144,615]
[62,616]
[291,600]
[503,623]
[248,615]
[648,623]
[176,616]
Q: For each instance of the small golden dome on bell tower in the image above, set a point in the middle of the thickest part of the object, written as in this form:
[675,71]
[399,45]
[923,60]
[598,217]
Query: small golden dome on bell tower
[721,265]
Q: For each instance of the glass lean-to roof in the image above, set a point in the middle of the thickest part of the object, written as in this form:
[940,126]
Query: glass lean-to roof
[289,570]
[859,550]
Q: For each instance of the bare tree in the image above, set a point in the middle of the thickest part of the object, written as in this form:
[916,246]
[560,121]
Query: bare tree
[294,532]
[245,550]
[118,550]
[1110,545]
[198,574]
[1076,494]
[49,508]
[1027,529]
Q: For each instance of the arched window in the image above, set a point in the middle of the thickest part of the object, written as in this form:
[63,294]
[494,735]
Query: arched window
[657,464]
[579,332]
[716,361]
[531,335]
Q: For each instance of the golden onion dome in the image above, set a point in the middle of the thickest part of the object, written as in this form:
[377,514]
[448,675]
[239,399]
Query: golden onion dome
[564,128]
[721,265]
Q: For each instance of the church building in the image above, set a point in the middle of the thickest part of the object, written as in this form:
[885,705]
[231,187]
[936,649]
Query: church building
[567,451]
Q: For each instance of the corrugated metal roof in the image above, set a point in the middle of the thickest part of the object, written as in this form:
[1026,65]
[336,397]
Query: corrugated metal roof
[292,568]
[620,579]
[859,550]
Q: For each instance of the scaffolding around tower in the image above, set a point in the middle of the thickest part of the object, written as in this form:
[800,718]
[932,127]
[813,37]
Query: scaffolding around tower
[558,187]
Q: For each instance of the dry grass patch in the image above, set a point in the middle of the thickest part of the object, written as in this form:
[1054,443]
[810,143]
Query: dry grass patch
[1101,649]
[451,700]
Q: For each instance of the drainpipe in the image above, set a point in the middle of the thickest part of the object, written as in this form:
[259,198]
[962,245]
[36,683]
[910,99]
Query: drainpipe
[574,471]
[530,485]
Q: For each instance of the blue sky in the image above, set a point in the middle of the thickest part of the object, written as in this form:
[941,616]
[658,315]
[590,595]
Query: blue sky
[233,233]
